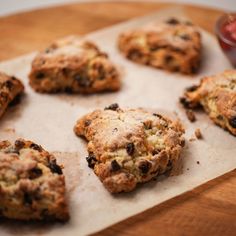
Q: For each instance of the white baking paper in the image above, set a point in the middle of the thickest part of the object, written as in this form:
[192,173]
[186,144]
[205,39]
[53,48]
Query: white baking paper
[49,119]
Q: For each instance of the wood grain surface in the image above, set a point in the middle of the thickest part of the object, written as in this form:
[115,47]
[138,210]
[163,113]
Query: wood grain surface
[207,210]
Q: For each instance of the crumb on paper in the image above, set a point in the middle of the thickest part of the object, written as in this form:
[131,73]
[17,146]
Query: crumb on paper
[192,139]
[190,115]
[198,133]
[10,130]
[176,113]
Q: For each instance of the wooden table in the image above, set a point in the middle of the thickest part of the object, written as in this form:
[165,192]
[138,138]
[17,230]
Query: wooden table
[207,210]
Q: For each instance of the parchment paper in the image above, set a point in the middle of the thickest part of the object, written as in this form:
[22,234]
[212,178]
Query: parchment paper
[49,120]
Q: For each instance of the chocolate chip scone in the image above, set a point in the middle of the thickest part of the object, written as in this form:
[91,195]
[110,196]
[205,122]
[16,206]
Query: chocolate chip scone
[75,66]
[217,95]
[172,45]
[10,89]
[131,146]
[32,186]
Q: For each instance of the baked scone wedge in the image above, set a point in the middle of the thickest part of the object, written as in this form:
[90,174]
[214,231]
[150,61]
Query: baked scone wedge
[73,65]
[172,45]
[32,185]
[217,95]
[131,146]
[10,89]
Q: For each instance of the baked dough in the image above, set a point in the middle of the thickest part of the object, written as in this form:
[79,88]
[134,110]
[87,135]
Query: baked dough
[172,45]
[131,146]
[73,65]
[217,95]
[32,186]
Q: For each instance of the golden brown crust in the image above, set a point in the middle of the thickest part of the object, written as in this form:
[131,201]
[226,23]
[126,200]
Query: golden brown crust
[127,147]
[172,45]
[32,186]
[75,66]
[217,95]
[10,88]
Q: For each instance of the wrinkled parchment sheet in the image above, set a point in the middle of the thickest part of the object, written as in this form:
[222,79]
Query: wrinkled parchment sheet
[49,120]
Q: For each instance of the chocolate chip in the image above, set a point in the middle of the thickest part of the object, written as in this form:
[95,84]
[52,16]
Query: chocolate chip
[185,102]
[134,54]
[35,173]
[91,159]
[87,123]
[147,124]
[182,143]
[169,165]
[36,147]
[198,134]
[157,115]
[19,144]
[112,107]
[155,151]
[27,199]
[168,58]
[172,21]
[232,122]
[40,75]
[185,37]
[9,84]
[192,88]
[101,71]
[130,148]
[54,167]
[16,100]
[190,114]
[220,117]
[68,90]
[115,165]
[82,81]
[65,71]
[194,68]
[144,166]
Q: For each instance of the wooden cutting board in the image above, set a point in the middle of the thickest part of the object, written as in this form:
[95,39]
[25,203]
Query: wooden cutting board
[207,210]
